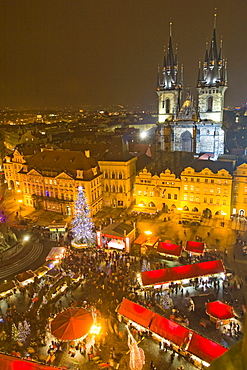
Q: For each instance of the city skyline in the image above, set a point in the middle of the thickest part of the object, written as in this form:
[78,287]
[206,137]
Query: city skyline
[100,53]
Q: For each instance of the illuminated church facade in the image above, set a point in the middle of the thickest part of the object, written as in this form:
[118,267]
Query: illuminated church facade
[192,126]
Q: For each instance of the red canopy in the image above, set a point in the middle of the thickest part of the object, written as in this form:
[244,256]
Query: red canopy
[219,310]
[169,329]
[181,272]
[194,247]
[136,313]
[204,348]
[71,324]
[170,249]
[14,363]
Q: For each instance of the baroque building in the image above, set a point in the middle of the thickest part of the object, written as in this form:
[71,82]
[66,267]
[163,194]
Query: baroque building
[191,126]
[49,179]
[204,192]
[239,192]
[118,169]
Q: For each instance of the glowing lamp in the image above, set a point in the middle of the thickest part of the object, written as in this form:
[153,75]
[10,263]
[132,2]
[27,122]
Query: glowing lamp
[95,329]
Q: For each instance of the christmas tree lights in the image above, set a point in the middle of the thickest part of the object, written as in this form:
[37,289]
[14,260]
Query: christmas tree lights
[82,223]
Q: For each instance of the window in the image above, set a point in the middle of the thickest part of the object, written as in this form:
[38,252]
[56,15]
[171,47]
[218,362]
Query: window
[225,191]
[192,187]
[245,189]
[211,200]
[191,197]
[206,180]
[211,190]
[218,191]
[167,105]
[197,180]
[197,189]
[175,196]
[185,187]
[145,193]
[210,103]
[185,196]
[47,193]
[113,189]
[120,189]
[169,196]
[120,176]
[197,199]
[151,194]
[192,179]
[224,202]
[205,200]
[139,192]
[120,203]
[106,175]
[113,175]
[205,190]
[217,201]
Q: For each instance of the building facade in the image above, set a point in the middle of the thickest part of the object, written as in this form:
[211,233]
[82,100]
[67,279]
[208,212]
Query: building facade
[192,126]
[49,180]
[118,176]
[205,192]
[239,192]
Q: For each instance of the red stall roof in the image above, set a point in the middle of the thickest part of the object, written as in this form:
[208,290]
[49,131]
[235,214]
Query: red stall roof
[204,348]
[181,272]
[155,276]
[194,247]
[141,239]
[170,249]
[210,268]
[136,313]
[169,329]
[15,363]
[219,310]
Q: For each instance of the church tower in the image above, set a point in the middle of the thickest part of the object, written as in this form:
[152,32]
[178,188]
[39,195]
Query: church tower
[169,90]
[212,82]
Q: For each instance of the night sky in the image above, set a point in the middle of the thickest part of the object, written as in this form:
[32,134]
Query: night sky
[57,53]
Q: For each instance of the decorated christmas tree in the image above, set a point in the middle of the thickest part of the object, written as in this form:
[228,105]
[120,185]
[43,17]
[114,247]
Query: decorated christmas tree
[82,223]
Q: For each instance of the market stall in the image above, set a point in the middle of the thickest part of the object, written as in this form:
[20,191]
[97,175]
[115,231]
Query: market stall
[205,349]
[219,313]
[194,247]
[136,313]
[41,271]
[7,288]
[168,249]
[56,254]
[25,278]
[15,363]
[169,330]
[181,273]
[116,236]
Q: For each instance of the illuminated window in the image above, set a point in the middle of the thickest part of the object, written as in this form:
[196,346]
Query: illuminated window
[211,190]
[224,202]
[191,197]
[197,189]
[218,191]
[192,187]
[211,200]
[185,187]
[205,200]
[197,199]
[185,196]
[145,193]
[175,196]
[217,200]
[169,196]
[245,189]
[197,180]
[151,194]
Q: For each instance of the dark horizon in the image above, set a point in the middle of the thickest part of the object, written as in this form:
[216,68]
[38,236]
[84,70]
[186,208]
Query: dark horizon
[61,53]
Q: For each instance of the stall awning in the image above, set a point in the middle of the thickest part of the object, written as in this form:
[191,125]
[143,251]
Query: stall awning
[15,363]
[136,313]
[181,272]
[204,348]
[194,247]
[169,330]
[219,310]
[151,241]
[169,249]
